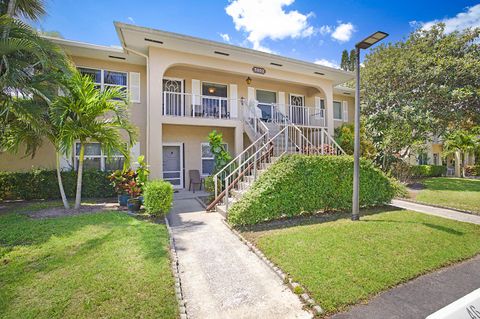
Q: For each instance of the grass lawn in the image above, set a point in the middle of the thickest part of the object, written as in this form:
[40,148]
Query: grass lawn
[85,266]
[341,262]
[458,193]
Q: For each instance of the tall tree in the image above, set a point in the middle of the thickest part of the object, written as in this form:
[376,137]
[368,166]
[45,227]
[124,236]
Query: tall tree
[344,64]
[421,86]
[352,60]
[87,114]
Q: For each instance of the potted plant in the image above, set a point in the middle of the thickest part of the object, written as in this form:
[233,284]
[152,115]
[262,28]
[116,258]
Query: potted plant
[134,202]
[119,180]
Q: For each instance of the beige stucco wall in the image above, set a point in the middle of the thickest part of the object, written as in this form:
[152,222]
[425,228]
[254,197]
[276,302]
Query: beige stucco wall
[192,137]
[44,158]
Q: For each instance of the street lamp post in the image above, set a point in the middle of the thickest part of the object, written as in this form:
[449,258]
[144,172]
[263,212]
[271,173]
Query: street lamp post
[364,44]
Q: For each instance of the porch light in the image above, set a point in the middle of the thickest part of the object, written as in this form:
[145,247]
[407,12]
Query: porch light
[364,44]
[248,80]
[211,90]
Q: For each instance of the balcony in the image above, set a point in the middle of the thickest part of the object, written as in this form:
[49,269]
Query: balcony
[199,106]
[298,115]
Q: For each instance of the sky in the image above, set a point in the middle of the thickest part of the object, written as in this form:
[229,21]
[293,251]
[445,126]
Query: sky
[311,30]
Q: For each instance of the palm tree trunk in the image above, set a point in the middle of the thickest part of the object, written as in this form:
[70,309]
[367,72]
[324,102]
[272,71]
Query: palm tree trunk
[60,183]
[78,196]
[464,160]
[11,8]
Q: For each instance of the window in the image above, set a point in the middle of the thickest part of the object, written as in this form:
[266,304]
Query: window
[95,158]
[213,89]
[105,78]
[422,159]
[337,110]
[208,161]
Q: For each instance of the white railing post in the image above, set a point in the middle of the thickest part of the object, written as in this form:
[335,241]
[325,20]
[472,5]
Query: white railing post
[322,140]
[165,103]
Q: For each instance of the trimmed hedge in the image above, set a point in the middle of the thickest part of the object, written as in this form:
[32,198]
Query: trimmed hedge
[298,184]
[428,170]
[42,184]
[158,197]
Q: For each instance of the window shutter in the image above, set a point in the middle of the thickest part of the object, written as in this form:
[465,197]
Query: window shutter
[134,154]
[134,83]
[233,101]
[318,108]
[345,111]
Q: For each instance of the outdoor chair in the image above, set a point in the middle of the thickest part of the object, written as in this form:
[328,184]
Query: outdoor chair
[195,179]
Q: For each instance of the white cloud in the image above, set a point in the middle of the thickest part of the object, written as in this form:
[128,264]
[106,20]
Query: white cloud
[463,20]
[225,37]
[329,63]
[343,32]
[262,19]
[131,20]
[325,29]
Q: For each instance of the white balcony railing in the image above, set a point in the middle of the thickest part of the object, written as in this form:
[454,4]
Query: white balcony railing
[201,106]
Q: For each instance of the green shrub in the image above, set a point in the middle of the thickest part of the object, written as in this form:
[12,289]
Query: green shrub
[298,184]
[158,197]
[42,184]
[428,170]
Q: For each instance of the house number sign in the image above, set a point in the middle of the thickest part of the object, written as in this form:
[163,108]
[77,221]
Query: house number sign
[258,70]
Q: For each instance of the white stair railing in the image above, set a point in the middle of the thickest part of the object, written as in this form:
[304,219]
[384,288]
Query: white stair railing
[242,171]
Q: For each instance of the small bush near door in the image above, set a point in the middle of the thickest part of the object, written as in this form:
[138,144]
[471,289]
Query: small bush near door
[299,184]
[428,170]
[158,197]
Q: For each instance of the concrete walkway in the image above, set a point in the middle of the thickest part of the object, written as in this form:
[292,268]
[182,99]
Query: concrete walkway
[221,277]
[422,296]
[442,212]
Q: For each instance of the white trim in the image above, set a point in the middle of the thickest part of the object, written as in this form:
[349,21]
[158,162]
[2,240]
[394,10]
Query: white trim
[102,156]
[181,165]
[102,80]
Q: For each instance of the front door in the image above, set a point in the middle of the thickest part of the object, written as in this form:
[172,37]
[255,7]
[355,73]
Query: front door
[173,97]
[297,111]
[173,165]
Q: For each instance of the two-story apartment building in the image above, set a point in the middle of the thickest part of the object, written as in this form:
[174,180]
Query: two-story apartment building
[181,88]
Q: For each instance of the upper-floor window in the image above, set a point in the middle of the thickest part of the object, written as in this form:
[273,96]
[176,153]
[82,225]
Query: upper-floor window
[337,110]
[106,78]
[94,158]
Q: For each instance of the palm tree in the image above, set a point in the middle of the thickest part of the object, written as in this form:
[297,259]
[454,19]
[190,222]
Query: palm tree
[30,69]
[87,114]
[29,9]
[462,142]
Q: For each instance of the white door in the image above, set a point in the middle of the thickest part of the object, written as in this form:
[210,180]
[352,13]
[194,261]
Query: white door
[173,165]
[297,110]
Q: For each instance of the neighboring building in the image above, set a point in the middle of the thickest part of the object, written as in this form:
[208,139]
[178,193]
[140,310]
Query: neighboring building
[433,155]
[181,88]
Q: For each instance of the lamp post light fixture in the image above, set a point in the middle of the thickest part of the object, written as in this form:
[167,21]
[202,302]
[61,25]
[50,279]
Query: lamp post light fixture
[364,44]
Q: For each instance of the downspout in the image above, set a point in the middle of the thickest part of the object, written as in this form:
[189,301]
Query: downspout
[147,138]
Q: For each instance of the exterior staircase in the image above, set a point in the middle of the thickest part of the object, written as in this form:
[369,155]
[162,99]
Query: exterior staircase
[271,140]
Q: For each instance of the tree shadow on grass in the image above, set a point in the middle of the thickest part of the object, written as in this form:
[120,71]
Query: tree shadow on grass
[430,225]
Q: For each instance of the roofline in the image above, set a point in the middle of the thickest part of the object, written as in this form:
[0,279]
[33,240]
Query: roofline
[313,66]
[85,45]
